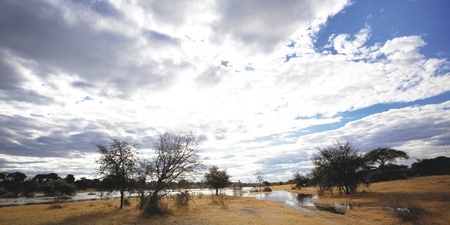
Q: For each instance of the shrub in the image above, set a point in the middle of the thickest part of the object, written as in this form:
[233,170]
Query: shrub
[159,207]
[182,199]
[267,189]
[339,166]
[126,202]
[55,206]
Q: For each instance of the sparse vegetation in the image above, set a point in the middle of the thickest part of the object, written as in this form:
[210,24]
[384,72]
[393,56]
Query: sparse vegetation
[338,167]
[420,200]
[182,199]
[221,200]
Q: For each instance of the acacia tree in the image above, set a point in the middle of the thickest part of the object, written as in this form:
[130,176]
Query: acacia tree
[177,157]
[117,164]
[217,179]
[341,166]
[384,155]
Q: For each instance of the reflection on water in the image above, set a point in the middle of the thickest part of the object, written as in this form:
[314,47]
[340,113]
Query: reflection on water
[82,196]
[294,200]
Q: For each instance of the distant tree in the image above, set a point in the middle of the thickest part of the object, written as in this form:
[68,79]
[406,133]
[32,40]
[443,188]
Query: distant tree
[217,179]
[53,176]
[300,180]
[63,188]
[70,178]
[177,157]
[260,178]
[40,178]
[427,167]
[16,177]
[384,155]
[237,185]
[117,163]
[183,184]
[388,172]
[13,182]
[57,188]
[29,187]
[84,183]
[3,176]
[44,178]
[341,166]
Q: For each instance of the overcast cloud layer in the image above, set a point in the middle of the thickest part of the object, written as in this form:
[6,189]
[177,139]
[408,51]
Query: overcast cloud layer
[248,76]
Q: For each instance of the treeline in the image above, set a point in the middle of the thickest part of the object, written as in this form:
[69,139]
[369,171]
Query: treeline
[340,166]
[15,185]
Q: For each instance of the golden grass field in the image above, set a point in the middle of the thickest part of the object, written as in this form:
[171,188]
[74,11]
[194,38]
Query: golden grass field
[427,198]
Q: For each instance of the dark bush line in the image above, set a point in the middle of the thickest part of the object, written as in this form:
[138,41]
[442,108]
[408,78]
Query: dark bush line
[389,171]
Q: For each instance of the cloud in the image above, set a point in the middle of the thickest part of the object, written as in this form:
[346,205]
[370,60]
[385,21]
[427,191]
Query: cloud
[79,72]
[425,126]
[103,7]
[342,44]
[11,78]
[57,41]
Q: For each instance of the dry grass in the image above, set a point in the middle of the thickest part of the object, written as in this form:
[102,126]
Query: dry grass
[239,210]
[427,197]
[420,200]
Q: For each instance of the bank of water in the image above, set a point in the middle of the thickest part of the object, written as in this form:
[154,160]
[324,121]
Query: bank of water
[294,200]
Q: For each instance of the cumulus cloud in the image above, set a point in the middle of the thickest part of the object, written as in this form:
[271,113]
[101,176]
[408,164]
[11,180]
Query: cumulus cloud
[343,44]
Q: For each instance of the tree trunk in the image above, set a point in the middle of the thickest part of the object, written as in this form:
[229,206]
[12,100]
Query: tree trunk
[217,191]
[121,197]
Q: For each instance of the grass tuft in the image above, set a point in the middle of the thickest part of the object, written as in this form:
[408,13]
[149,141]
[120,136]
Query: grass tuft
[221,200]
[55,206]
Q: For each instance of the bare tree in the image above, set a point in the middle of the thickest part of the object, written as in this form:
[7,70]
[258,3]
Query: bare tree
[260,178]
[117,163]
[177,157]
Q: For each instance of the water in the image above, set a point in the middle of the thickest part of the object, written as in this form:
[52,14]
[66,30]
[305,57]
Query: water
[299,201]
[40,199]
[294,200]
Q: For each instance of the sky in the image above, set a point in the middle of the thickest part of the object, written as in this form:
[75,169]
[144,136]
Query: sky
[262,83]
